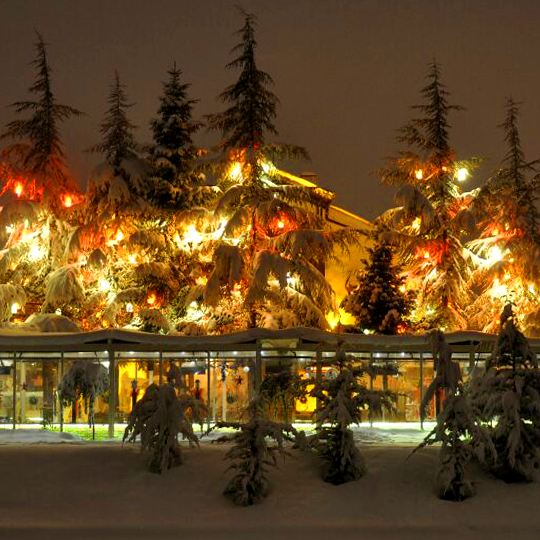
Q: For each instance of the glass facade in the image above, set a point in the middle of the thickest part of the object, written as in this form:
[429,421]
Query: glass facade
[225,380]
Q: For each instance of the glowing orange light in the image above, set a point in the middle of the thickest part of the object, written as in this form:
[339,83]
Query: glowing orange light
[280,224]
[495,232]
[403,288]
[119,236]
[445,168]
[426,254]
[18,189]
[419,174]
[68,201]
[151,300]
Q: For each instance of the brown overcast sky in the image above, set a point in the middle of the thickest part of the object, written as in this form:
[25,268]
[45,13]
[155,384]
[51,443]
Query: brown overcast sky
[346,71]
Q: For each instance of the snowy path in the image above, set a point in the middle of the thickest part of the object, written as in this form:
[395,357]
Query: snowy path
[103,492]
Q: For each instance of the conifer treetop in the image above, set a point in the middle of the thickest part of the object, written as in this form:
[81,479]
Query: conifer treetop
[118,142]
[38,151]
[253,107]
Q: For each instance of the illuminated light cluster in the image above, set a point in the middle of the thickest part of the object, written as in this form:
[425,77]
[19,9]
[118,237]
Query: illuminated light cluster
[104,285]
[462,174]
[35,253]
[403,288]
[426,255]
[419,174]
[235,171]
[416,224]
[15,307]
[151,300]
[129,307]
[498,289]
[68,201]
[280,224]
[18,189]
[192,236]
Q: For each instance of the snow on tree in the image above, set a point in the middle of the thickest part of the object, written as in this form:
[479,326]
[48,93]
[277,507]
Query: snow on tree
[158,419]
[341,401]
[35,166]
[251,454]
[432,219]
[380,302]
[458,429]
[86,380]
[507,396]
[173,183]
[508,247]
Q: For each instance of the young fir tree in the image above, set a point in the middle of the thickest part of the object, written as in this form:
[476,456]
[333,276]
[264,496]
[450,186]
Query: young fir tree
[173,152]
[341,401]
[508,247]
[251,454]
[430,224]
[458,428]
[162,415]
[37,154]
[507,396]
[380,302]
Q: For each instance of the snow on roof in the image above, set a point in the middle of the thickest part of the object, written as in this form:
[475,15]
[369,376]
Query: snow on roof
[17,340]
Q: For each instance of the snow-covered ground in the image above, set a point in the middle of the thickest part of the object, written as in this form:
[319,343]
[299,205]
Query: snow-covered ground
[102,491]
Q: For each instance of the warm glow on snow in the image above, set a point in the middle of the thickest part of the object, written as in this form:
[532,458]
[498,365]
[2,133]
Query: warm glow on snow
[104,285]
[15,307]
[416,224]
[192,236]
[129,307]
[35,253]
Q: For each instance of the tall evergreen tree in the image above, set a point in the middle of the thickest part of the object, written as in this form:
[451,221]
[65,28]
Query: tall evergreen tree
[509,243]
[118,142]
[37,154]
[380,302]
[173,152]
[431,221]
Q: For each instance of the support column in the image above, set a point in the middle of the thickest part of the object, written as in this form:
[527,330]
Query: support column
[60,404]
[14,390]
[208,413]
[112,391]
[160,368]
[318,372]
[421,383]
[258,371]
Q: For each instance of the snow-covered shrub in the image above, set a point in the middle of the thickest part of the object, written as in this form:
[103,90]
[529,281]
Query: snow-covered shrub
[64,286]
[341,401]
[152,320]
[278,392]
[458,428]
[86,380]
[9,295]
[159,418]
[51,322]
[251,454]
[508,397]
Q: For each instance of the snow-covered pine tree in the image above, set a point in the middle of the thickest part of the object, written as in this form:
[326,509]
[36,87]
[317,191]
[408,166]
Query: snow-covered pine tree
[341,401]
[267,243]
[380,302]
[430,223]
[173,181]
[35,166]
[159,418]
[119,184]
[507,396]
[251,453]
[458,428]
[508,248]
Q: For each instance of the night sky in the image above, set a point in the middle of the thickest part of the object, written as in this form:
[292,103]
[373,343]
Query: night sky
[345,71]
